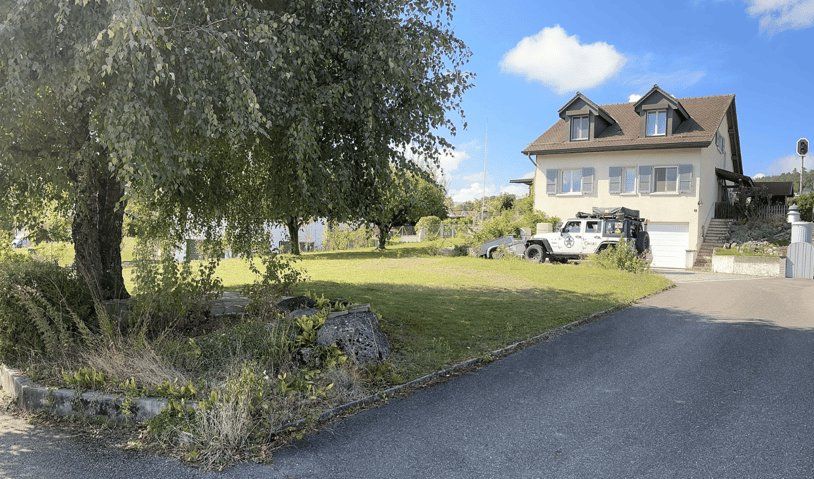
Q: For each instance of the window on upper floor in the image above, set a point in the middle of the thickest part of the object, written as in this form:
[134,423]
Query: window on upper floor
[579,128]
[571,181]
[720,142]
[665,179]
[656,123]
[629,179]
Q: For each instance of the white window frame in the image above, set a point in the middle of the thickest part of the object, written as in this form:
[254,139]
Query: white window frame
[720,142]
[658,124]
[587,127]
[635,170]
[578,184]
[653,181]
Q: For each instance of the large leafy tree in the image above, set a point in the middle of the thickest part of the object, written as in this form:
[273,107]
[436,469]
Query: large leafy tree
[404,199]
[211,113]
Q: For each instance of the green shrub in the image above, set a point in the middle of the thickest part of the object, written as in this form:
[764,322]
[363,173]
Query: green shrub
[806,204]
[511,221]
[171,295]
[340,238]
[623,256]
[42,307]
[432,226]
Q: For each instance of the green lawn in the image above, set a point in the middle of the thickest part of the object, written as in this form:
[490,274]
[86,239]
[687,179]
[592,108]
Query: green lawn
[441,310]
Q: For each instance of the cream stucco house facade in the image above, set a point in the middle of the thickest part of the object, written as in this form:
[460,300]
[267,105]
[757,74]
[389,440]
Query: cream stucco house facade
[672,159]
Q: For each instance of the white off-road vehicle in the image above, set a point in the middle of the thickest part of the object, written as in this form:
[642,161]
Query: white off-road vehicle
[589,233]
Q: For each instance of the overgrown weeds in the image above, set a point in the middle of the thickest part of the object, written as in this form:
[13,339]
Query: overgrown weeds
[622,256]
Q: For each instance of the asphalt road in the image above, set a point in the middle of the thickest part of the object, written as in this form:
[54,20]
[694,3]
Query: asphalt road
[712,379]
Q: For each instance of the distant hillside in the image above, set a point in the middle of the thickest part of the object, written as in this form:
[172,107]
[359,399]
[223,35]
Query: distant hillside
[794,177]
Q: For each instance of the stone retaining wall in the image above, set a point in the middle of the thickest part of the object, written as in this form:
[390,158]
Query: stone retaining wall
[32,397]
[766,266]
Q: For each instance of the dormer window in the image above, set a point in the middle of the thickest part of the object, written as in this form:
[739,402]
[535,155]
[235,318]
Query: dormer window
[656,123]
[579,128]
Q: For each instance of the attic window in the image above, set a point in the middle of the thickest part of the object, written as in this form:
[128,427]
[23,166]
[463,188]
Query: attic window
[579,128]
[656,123]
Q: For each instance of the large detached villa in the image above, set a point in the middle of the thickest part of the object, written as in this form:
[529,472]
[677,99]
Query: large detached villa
[670,158]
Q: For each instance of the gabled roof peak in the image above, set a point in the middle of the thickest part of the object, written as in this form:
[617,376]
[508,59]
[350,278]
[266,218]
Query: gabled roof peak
[670,98]
[597,110]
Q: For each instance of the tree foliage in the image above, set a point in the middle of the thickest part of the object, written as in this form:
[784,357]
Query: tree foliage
[406,198]
[217,113]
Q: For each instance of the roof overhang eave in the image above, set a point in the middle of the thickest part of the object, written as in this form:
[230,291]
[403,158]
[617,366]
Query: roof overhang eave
[600,148]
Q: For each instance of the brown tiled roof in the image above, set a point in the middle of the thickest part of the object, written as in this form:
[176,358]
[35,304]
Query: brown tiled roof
[706,115]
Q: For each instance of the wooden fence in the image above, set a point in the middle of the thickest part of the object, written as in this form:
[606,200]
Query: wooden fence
[729,211]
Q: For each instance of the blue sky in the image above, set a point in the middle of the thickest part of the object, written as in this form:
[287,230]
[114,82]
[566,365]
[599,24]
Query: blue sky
[760,50]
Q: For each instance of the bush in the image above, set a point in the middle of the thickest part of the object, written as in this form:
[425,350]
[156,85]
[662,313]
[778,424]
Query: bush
[432,226]
[511,221]
[623,256]
[806,205]
[338,238]
[42,307]
[170,295]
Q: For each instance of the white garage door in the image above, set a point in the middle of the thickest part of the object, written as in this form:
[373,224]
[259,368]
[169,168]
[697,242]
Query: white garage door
[669,243]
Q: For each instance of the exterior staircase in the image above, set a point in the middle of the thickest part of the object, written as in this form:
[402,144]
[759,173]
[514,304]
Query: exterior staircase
[716,234]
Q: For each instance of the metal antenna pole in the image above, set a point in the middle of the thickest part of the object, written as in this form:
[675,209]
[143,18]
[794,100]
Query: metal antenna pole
[802,171]
[485,155]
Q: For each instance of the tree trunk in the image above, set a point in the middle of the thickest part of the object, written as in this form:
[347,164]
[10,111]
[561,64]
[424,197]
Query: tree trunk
[97,230]
[384,234]
[293,225]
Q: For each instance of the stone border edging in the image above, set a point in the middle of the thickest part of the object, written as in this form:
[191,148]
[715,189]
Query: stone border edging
[32,397]
[455,369]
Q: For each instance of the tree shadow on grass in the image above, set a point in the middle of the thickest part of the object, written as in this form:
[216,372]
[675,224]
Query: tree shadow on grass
[433,326]
[395,252]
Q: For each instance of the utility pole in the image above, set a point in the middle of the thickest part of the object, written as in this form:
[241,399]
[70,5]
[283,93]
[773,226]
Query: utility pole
[485,155]
[802,150]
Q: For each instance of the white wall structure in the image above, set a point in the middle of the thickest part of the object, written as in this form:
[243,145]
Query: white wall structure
[313,232]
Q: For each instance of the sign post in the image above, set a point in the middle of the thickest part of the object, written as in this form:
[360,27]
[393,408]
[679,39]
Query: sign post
[802,150]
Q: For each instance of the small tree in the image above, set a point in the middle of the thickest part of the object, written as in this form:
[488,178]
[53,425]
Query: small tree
[407,197]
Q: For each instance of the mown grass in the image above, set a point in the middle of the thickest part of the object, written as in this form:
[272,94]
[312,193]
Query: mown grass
[440,310]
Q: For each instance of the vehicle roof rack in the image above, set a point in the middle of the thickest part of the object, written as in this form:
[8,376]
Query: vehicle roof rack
[616,212]
[611,213]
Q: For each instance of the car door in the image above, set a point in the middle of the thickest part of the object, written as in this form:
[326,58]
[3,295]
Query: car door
[571,237]
[591,236]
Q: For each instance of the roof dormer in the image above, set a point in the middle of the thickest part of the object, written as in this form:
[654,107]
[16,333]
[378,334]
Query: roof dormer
[585,118]
[661,113]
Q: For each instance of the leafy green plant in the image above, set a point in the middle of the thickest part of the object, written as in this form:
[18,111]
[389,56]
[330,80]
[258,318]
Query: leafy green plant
[340,238]
[623,256]
[171,296]
[520,214]
[277,277]
[806,204]
[431,225]
[85,378]
[44,308]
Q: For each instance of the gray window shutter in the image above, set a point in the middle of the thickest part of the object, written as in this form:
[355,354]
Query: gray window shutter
[587,181]
[615,180]
[645,178]
[551,181]
[686,182]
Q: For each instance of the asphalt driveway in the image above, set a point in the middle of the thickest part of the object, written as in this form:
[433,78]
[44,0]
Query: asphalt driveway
[714,378]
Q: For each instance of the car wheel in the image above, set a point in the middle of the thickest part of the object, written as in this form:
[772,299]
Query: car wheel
[642,242]
[496,254]
[534,253]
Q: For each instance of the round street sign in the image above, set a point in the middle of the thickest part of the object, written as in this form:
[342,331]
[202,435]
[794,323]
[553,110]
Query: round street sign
[802,146]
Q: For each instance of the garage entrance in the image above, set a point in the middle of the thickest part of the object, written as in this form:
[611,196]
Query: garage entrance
[669,243]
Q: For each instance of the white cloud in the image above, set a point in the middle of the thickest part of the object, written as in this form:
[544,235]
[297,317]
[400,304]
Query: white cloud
[561,62]
[780,15]
[472,191]
[634,97]
[758,176]
[786,164]
[452,160]
[519,191]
